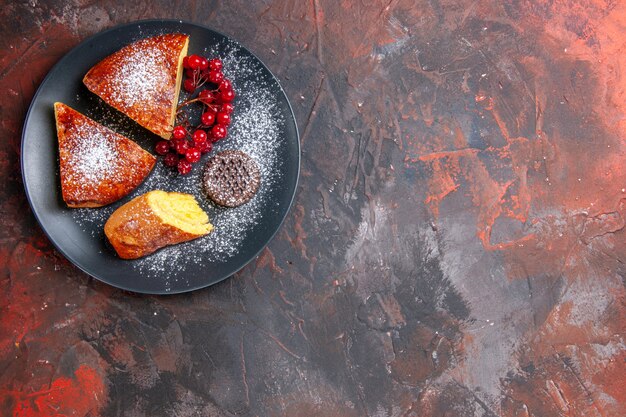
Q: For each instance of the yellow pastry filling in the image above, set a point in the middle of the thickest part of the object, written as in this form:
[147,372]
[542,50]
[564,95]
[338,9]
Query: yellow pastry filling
[180,211]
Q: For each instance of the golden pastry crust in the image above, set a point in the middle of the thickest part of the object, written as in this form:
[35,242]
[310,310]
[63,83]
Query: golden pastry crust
[142,80]
[155,220]
[97,165]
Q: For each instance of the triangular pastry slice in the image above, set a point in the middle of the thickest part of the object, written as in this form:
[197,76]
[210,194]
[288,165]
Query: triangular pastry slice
[98,166]
[142,80]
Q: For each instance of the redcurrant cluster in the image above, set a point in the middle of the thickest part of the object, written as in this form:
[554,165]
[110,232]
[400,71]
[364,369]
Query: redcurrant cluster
[189,142]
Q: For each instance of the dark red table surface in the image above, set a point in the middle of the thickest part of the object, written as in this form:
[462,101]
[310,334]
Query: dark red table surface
[456,247]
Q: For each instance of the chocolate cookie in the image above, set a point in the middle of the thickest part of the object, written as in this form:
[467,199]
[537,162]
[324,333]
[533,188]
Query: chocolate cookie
[231,178]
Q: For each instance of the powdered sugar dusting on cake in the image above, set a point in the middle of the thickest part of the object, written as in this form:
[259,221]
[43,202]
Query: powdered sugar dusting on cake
[137,80]
[93,156]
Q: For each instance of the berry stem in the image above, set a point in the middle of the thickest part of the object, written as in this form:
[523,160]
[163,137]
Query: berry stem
[204,80]
[187,102]
[192,100]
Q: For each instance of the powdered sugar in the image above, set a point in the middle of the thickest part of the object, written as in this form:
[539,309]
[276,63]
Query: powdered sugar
[137,81]
[93,219]
[256,130]
[93,156]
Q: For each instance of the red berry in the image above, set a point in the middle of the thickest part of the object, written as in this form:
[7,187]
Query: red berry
[189,85]
[204,147]
[227,95]
[171,159]
[193,155]
[223,118]
[199,136]
[179,132]
[182,146]
[207,118]
[216,77]
[186,62]
[194,61]
[206,96]
[189,73]
[184,167]
[219,132]
[215,64]
[204,63]
[225,84]
[227,108]
[162,147]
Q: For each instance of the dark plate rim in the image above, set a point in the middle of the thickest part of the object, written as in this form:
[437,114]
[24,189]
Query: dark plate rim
[37,214]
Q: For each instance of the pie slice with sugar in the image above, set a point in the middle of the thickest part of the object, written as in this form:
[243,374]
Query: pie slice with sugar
[142,80]
[97,165]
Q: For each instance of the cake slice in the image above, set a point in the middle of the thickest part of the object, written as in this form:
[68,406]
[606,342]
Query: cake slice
[142,80]
[155,220]
[98,166]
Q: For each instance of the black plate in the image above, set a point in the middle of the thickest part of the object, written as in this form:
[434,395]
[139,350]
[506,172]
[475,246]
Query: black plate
[78,234]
